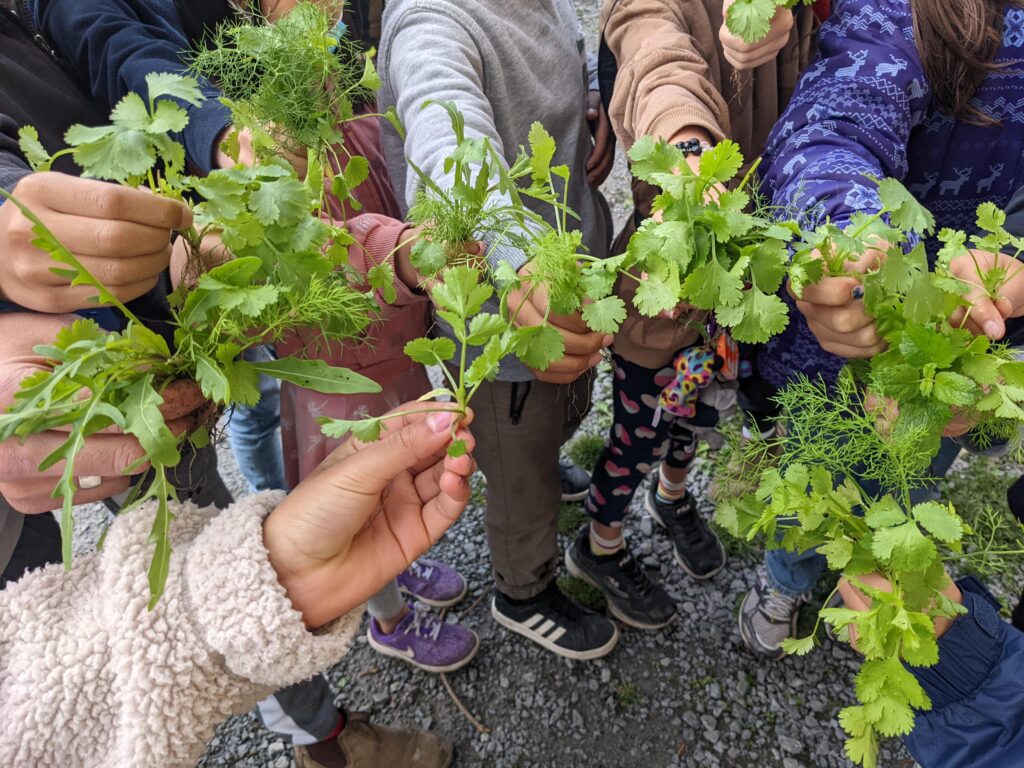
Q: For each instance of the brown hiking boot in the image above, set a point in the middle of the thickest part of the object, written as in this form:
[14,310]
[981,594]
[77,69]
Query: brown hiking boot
[367,745]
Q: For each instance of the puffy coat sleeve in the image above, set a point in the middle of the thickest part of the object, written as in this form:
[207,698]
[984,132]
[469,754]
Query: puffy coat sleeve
[851,115]
[977,692]
[89,676]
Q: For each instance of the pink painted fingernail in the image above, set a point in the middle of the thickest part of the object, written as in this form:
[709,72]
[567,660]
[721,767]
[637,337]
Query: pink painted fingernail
[440,422]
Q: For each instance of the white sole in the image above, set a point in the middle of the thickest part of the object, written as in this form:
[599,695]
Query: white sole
[386,651]
[578,572]
[519,629]
[675,554]
[575,496]
[438,603]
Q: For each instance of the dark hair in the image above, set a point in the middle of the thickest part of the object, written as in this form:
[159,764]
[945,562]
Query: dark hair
[958,42]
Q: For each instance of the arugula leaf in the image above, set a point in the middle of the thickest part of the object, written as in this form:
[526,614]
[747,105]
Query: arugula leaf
[318,376]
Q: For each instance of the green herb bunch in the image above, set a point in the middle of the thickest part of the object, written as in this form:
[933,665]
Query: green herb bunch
[704,246]
[751,20]
[286,277]
[853,453]
[294,84]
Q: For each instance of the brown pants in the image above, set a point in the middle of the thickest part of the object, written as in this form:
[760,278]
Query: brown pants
[519,429]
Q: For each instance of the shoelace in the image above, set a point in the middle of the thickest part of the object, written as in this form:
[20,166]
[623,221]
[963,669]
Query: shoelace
[424,623]
[776,606]
[421,571]
[690,525]
[635,575]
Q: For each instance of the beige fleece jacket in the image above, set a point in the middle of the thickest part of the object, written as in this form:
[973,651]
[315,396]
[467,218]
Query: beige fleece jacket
[89,677]
[673,75]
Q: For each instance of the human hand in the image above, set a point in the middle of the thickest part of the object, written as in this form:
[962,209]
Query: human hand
[602,156]
[121,235]
[743,55]
[529,307]
[856,600]
[887,411]
[367,512]
[247,152]
[410,276]
[835,313]
[987,316]
[102,463]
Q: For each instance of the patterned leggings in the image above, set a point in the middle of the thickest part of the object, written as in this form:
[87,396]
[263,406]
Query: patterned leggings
[635,446]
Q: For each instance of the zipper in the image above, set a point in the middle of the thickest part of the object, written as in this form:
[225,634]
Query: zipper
[18,10]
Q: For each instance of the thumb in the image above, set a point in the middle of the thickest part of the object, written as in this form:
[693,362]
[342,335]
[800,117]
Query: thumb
[418,438]
[986,316]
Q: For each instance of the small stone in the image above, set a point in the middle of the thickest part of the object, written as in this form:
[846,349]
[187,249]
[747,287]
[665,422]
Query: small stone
[282,762]
[606,675]
[646,527]
[791,745]
[275,747]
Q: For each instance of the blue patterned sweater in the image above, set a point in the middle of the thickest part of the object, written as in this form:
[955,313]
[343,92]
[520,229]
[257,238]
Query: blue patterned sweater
[865,107]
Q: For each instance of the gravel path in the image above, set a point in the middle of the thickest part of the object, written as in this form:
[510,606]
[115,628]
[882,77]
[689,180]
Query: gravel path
[687,696]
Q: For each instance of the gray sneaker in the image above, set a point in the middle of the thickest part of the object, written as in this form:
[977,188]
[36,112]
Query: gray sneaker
[767,618]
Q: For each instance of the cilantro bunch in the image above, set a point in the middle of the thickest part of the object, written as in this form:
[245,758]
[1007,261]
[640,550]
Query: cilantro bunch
[704,247]
[288,274]
[837,439]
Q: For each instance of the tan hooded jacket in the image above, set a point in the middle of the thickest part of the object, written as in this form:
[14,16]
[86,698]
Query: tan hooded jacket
[673,75]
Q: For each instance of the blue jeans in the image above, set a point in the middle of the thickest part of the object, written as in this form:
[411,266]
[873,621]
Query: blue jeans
[795,573]
[253,433]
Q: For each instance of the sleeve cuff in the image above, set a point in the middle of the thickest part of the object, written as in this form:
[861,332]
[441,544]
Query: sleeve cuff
[243,612]
[206,123]
[380,236]
[968,651]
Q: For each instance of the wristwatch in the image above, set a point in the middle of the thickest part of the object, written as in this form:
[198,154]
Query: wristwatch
[693,147]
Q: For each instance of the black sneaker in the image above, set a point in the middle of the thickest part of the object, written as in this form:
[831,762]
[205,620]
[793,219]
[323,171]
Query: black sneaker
[632,597]
[575,480]
[555,622]
[698,550]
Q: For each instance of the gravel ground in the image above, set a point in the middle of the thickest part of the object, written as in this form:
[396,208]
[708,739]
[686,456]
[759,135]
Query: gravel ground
[687,696]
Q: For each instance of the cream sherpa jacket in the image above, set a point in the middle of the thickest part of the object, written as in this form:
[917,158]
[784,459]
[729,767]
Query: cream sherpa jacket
[89,677]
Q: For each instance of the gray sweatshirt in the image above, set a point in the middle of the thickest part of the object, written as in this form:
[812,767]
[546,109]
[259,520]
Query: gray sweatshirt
[505,64]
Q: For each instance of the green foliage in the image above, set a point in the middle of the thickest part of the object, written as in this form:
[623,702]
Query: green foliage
[704,247]
[585,450]
[582,593]
[285,278]
[751,19]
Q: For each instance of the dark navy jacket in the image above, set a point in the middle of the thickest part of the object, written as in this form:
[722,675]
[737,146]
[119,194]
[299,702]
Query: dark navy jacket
[113,44]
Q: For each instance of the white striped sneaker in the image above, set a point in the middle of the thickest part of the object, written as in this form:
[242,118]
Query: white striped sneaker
[556,623]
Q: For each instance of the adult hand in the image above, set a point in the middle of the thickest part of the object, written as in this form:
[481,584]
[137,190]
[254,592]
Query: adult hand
[529,305]
[602,156]
[986,316]
[121,235]
[106,456]
[367,512]
[835,312]
[856,600]
[743,55]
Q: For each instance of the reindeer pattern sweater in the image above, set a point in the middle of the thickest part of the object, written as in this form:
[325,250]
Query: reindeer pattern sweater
[865,107]
[90,678]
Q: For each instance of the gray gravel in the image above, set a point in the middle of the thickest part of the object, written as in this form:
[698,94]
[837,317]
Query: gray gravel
[686,696]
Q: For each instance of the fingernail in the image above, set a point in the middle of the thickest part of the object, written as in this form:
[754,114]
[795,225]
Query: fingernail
[89,481]
[441,421]
[608,340]
[858,292]
[595,360]
[993,329]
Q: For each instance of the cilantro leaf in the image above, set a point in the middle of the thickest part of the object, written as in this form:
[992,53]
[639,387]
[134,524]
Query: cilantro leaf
[606,315]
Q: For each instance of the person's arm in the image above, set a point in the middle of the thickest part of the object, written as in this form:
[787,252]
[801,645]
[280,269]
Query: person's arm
[664,87]
[112,49]
[976,689]
[850,116]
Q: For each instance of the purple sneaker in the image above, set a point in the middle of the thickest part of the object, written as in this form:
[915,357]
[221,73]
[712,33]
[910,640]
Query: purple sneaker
[422,639]
[436,584]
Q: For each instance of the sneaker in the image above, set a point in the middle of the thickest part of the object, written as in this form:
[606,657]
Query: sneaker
[767,618]
[436,584]
[368,745]
[556,623]
[632,597]
[698,550]
[575,480]
[423,640]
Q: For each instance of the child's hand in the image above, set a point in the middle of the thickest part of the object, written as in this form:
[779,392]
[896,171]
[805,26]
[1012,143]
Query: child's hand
[856,600]
[529,305]
[367,512]
[835,312]
[743,55]
[410,276]
[986,316]
[602,156]
[121,235]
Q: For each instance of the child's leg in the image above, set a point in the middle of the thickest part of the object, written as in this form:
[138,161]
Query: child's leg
[675,467]
[635,445]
